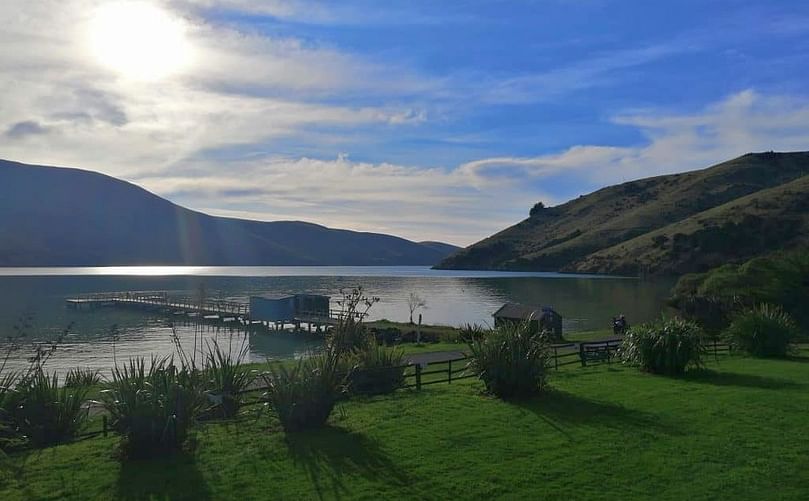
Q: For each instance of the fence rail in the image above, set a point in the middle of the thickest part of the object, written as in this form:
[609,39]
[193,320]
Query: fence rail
[458,369]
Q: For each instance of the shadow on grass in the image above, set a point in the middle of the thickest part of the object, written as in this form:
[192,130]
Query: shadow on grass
[565,411]
[708,376]
[329,454]
[170,477]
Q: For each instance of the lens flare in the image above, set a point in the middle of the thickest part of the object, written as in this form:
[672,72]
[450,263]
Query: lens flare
[139,40]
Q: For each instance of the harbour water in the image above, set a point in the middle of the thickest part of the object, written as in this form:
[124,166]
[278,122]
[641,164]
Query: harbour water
[452,298]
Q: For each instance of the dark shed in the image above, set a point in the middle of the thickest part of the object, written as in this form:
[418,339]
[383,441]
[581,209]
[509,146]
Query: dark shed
[541,317]
[289,308]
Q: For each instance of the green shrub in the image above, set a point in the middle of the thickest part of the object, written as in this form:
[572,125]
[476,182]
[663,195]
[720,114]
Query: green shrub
[764,331]
[46,413]
[512,360]
[667,346]
[155,408]
[226,379]
[8,434]
[715,297]
[379,370]
[304,395]
[82,377]
[468,332]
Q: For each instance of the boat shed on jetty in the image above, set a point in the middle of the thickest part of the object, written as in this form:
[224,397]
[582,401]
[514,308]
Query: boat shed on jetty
[290,309]
[540,317]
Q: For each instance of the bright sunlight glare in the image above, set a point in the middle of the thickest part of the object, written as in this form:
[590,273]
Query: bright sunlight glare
[138,40]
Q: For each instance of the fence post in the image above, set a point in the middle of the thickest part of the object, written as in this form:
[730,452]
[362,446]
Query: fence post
[104,425]
[449,373]
[715,353]
[555,359]
[418,376]
[581,355]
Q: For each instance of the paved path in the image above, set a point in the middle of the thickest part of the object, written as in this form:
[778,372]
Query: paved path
[433,357]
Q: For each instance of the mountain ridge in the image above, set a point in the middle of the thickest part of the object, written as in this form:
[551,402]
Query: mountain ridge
[64,216]
[570,236]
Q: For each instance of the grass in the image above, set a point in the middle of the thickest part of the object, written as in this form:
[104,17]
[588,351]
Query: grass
[731,431]
[595,335]
[444,333]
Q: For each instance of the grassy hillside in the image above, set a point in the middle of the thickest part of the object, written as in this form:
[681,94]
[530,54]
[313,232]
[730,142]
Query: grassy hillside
[53,216]
[755,224]
[585,234]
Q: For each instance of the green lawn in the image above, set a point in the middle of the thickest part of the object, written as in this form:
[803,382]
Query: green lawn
[735,431]
[596,335]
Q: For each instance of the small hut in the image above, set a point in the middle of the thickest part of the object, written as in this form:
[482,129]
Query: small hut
[540,317]
[289,308]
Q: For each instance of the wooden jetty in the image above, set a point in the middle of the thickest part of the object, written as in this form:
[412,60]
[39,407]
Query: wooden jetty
[211,310]
[161,300]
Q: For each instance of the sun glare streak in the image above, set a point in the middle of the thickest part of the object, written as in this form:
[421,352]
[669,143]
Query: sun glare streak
[147,271]
[139,40]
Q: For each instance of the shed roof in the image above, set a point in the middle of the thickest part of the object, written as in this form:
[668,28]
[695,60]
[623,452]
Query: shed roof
[522,311]
[275,297]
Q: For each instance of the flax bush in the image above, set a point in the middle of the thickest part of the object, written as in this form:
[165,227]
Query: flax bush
[153,408]
[764,331]
[379,370]
[8,434]
[512,360]
[226,378]
[667,346]
[304,395]
[46,413]
[79,377]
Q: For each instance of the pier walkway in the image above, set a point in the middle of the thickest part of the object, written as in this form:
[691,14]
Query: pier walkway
[208,309]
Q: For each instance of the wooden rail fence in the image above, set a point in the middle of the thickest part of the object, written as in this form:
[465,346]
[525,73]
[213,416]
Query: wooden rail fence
[416,375]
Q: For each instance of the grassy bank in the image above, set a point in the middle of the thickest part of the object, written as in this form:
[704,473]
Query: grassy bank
[443,333]
[733,431]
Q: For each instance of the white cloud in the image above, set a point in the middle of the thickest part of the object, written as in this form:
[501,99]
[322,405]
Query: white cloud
[245,90]
[743,122]
[242,88]
[475,199]
[415,202]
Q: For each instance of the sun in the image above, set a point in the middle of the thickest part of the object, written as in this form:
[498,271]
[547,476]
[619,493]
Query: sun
[139,40]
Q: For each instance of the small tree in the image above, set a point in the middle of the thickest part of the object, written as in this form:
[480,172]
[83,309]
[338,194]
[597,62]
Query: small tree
[414,302]
[539,206]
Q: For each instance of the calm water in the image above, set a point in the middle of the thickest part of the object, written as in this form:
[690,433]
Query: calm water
[453,298]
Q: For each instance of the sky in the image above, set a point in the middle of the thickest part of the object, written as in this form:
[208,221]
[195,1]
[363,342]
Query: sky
[429,120]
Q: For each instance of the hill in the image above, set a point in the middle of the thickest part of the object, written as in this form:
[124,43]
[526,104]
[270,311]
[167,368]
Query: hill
[669,224]
[51,216]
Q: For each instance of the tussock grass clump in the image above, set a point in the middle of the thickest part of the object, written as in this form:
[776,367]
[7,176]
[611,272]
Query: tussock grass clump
[46,413]
[764,331]
[8,434]
[379,370]
[304,395]
[469,332]
[154,409]
[512,360]
[226,379]
[82,377]
[667,346]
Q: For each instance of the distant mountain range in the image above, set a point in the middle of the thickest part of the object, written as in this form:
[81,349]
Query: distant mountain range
[665,225]
[52,216]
